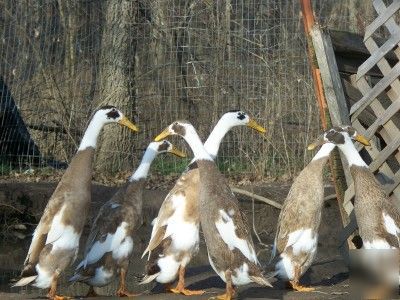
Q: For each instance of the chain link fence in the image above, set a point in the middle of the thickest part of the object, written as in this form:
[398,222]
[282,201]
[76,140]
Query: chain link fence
[160,60]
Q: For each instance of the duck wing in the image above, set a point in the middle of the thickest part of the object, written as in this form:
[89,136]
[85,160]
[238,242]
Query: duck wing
[43,234]
[390,222]
[232,225]
[105,233]
[160,223]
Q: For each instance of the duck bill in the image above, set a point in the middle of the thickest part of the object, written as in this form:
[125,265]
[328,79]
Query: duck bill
[362,139]
[177,152]
[125,122]
[253,124]
[318,142]
[162,135]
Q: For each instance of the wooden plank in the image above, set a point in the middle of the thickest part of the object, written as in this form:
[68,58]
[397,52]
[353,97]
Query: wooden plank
[378,55]
[377,109]
[351,45]
[352,94]
[333,89]
[357,108]
[390,23]
[348,195]
[383,64]
[336,103]
[396,178]
[384,15]
[383,119]
[390,130]
[349,65]
[395,198]
[384,154]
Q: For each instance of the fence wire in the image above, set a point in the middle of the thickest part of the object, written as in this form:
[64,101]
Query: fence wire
[160,60]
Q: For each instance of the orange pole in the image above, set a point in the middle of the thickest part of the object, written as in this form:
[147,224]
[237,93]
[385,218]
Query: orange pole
[308,22]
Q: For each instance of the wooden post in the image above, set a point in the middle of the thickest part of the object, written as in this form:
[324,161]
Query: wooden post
[329,94]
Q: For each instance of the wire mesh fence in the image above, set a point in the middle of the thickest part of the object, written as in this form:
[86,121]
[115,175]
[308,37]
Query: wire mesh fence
[159,61]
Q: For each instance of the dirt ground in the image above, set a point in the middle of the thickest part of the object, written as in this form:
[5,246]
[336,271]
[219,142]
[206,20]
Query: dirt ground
[328,274]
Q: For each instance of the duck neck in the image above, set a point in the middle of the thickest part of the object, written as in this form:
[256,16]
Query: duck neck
[91,134]
[143,170]
[199,152]
[352,156]
[214,139]
[324,151]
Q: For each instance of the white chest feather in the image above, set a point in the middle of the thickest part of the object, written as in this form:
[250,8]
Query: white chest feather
[119,243]
[301,241]
[377,244]
[390,225]
[285,267]
[227,231]
[240,276]
[62,236]
[44,278]
[168,269]
[101,277]
[184,234]
[391,228]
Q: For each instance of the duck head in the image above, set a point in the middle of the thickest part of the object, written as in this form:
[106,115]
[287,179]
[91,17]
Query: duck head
[166,147]
[110,114]
[240,118]
[339,135]
[182,128]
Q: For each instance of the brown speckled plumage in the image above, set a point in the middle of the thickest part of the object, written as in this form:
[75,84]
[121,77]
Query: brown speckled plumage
[301,211]
[72,192]
[215,195]
[188,186]
[370,203]
[124,206]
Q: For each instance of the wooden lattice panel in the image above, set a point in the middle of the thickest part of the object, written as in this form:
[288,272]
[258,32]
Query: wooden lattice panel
[385,130]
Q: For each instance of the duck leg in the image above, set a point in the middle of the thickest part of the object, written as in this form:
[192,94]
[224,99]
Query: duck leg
[180,287]
[53,289]
[295,282]
[91,293]
[122,291]
[230,291]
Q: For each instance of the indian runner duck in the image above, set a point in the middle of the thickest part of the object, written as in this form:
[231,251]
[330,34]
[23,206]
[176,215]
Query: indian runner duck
[110,242]
[229,244]
[55,240]
[296,236]
[377,217]
[175,236]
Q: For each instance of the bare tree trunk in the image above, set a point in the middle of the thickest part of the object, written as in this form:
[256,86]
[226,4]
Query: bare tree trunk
[117,63]
[69,14]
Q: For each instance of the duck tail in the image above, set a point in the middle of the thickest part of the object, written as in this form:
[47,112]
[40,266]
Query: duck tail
[24,281]
[144,279]
[77,277]
[261,280]
[146,251]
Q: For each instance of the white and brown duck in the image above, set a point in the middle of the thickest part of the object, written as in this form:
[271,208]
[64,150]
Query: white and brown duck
[377,217]
[175,236]
[110,242]
[229,244]
[55,241]
[296,237]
